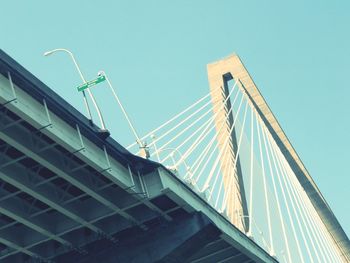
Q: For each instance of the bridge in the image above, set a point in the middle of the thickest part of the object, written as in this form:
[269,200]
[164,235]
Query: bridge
[212,188]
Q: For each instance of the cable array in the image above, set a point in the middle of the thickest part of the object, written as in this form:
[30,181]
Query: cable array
[280,214]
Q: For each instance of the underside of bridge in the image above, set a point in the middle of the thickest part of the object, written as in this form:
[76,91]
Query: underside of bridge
[67,194]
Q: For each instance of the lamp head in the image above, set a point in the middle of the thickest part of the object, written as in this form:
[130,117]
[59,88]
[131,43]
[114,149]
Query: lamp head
[48,53]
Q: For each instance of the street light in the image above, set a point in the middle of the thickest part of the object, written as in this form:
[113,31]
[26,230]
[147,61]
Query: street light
[144,152]
[84,81]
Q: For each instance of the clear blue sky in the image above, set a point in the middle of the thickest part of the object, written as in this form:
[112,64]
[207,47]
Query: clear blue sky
[156,52]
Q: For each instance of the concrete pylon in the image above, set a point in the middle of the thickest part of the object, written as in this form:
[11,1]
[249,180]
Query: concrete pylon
[219,74]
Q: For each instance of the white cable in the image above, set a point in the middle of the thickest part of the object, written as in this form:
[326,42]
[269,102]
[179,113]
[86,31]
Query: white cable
[213,169]
[251,171]
[172,119]
[326,235]
[184,130]
[279,172]
[318,219]
[197,163]
[211,142]
[265,190]
[228,179]
[302,215]
[314,231]
[180,123]
[331,252]
[195,144]
[280,175]
[203,126]
[183,121]
[237,152]
[224,147]
[275,190]
[221,187]
[261,234]
[217,161]
[226,159]
[288,174]
[295,210]
[328,248]
[293,206]
[226,142]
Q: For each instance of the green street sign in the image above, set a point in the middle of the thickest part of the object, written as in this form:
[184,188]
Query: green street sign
[91,83]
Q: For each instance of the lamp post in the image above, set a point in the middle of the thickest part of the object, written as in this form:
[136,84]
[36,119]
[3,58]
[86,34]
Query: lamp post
[84,81]
[144,152]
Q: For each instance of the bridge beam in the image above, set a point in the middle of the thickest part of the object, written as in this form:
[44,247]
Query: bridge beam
[174,241]
[101,222]
[22,140]
[19,177]
[64,225]
[42,151]
[17,248]
[12,209]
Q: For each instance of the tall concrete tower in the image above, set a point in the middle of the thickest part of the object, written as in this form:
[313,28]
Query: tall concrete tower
[219,74]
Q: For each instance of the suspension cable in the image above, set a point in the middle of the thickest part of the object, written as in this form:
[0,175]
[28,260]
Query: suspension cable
[332,253]
[309,219]
[226,159]
[264,131]
[211,142]
[180,123]
[227,140]
[184,130]
[195,144]
[265,190]
[279,176]
[251,171]
[171,120]
[238,149]
[197,163]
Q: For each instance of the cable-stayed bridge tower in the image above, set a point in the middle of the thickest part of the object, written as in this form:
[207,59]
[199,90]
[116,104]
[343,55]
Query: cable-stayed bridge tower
[232,68]
[219,74]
